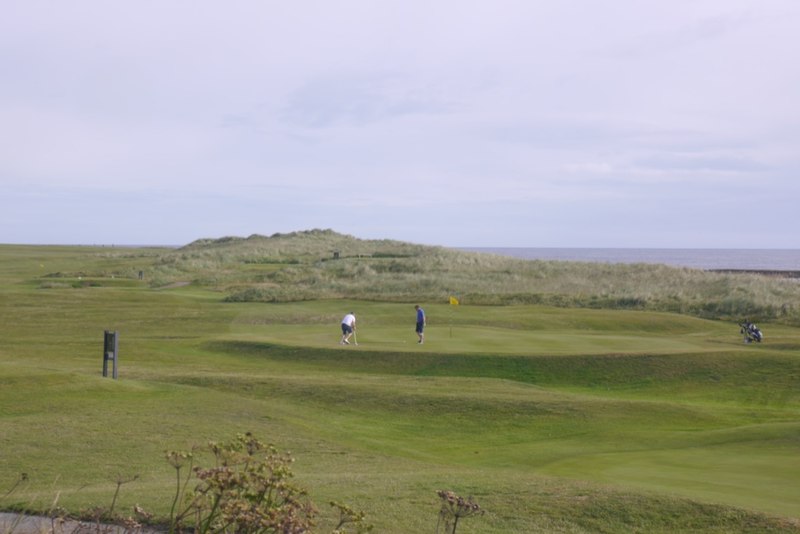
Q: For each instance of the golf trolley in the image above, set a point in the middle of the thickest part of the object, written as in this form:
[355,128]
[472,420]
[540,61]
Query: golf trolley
[751,332]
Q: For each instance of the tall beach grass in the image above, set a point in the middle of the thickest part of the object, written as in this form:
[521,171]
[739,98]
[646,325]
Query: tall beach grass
[302,266]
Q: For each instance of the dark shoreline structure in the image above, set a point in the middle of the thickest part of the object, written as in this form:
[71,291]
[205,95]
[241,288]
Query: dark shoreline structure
[777,274]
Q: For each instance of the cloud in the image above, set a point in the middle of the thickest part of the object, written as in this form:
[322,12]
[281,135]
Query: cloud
[594,167]
[701,163]
[358,100]
[545,121]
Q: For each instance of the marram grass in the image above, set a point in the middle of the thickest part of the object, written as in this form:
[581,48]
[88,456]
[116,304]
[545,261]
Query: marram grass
[301,266]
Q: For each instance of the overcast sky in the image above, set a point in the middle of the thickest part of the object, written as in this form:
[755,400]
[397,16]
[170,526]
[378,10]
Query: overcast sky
[559,123]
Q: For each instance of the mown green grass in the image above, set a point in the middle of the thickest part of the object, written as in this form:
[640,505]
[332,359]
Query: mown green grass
[555,419]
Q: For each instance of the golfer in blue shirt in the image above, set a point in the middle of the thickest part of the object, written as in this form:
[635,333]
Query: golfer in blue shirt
[421,322]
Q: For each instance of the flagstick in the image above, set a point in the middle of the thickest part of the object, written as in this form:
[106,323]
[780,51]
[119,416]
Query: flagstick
[453,302]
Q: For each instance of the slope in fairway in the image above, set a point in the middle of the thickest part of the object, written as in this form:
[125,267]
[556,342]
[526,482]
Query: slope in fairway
[760,475]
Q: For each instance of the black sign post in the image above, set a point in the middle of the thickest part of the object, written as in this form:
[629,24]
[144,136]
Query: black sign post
[110,352]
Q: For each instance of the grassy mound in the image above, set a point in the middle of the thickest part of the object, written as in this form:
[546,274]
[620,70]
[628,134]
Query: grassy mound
[322,264]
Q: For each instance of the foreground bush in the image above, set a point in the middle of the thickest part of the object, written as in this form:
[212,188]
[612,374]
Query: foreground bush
[247,491]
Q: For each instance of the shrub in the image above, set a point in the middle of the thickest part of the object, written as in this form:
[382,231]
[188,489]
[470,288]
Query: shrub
[453,509]
[247,491]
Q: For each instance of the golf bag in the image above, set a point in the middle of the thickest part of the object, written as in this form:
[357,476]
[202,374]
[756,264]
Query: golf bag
[751,332]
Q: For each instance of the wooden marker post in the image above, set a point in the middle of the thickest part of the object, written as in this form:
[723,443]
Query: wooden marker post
[110,352]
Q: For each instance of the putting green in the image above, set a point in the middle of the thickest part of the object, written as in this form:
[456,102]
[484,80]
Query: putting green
[475,339]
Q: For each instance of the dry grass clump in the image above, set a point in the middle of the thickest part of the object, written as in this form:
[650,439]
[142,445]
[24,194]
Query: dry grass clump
[322,264]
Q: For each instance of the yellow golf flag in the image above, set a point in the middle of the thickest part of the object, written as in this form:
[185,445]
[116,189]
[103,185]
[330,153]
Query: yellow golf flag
[454,301]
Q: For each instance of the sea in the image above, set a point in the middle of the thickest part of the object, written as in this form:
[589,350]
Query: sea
[711,259]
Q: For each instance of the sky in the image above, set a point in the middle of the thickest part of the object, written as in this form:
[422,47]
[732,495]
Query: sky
[530,123]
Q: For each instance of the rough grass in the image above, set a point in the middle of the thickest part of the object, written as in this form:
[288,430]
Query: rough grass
[555,419]
[300,266]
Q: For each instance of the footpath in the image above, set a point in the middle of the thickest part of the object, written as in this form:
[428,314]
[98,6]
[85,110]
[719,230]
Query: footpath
[32,524]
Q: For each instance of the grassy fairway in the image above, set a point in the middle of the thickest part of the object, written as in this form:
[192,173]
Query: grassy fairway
[555,419]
